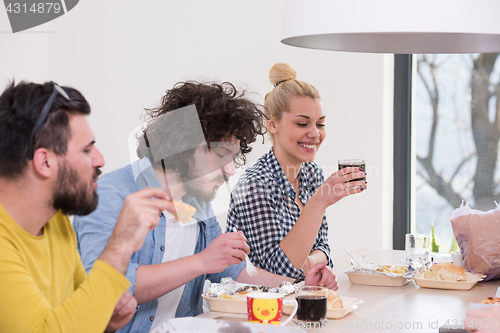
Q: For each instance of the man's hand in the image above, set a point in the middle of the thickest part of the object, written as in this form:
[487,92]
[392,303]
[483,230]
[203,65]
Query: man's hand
[483,320]
[124,311]
[227,249]
[139,215]
[321,275]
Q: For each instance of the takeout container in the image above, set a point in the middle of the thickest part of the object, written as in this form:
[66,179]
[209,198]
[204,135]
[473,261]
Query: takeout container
[239,305]
[471,280]
[381,279]
[228,305]
[377,280]
[350,304]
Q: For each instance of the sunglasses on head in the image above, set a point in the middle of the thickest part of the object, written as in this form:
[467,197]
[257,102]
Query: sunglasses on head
[43,115]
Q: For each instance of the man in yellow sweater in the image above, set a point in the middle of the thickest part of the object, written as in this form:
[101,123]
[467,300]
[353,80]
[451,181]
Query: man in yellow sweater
[49,166]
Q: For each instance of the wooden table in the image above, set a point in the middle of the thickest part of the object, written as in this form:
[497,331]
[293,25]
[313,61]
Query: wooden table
[397,309]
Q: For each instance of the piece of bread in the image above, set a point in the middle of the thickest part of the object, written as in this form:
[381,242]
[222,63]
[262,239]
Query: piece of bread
[184,211]
[334,300]
[445,272]
[491,300]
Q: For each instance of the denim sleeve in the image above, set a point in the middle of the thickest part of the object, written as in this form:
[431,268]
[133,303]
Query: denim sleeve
[93,231]
[213,231]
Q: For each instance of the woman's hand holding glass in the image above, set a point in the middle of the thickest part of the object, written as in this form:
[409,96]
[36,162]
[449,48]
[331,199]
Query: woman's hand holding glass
[340,184]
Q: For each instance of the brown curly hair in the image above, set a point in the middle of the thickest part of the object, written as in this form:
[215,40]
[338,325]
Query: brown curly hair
[222,112]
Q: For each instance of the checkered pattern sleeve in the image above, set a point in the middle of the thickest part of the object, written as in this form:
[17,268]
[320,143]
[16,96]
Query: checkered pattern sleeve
[255,211]
[321,242]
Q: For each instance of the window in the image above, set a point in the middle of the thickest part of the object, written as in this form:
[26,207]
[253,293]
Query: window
[456,128]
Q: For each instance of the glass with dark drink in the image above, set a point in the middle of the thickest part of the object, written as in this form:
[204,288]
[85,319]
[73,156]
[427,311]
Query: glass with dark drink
[358,163]
[312,303]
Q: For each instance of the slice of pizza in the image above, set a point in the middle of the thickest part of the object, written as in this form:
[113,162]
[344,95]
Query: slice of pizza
[184,211]
[491,300]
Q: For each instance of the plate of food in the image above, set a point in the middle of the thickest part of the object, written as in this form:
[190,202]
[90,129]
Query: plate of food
[491,300]
[385,276]
[448,276]
[233,303]
[231,296]
[338,307]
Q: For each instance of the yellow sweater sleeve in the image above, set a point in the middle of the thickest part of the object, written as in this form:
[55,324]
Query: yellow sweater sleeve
[35,304]
[24,308]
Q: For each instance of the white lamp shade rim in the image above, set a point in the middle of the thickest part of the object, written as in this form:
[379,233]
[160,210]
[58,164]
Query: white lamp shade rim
[400,42]
[394,26]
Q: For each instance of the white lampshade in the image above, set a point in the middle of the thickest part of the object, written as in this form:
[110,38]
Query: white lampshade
[394,26]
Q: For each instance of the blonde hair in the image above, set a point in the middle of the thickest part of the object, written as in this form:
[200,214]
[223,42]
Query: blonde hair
[284,79]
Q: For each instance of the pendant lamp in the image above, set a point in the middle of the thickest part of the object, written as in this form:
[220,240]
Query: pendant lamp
[394,26]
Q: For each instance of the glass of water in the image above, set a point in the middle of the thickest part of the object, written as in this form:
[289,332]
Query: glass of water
[418,250]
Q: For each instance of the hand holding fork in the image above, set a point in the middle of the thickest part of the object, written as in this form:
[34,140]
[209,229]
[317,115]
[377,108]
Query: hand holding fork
[251,270]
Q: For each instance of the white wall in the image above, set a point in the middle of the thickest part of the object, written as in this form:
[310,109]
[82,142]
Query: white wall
[123,55]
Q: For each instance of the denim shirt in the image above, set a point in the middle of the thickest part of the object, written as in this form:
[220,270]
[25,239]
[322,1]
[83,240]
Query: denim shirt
[93,232]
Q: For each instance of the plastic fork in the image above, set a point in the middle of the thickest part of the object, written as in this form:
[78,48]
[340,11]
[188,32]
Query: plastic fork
[351,255]
[251,270]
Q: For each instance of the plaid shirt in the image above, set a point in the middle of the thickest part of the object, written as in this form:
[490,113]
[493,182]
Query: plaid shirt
[263,207]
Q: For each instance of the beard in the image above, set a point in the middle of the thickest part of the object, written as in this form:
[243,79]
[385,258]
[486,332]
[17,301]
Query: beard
[72,195]
[200,189]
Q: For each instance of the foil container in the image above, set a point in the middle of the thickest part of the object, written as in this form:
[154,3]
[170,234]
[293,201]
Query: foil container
[230,287]
[364,266]
[287,288]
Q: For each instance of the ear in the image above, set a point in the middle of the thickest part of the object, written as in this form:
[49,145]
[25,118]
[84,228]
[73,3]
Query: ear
[271,125]
[45,162]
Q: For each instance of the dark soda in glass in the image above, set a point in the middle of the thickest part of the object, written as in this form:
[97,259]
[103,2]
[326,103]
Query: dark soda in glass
[357,163]
[311,308]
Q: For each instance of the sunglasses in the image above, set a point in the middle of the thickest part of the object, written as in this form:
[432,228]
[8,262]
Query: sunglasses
[43,115]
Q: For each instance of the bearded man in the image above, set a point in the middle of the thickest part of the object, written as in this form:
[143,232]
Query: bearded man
[188,148]
[49,166]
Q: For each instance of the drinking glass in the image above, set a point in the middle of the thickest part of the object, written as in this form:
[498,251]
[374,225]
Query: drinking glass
[358,163]
[418,250]
[312,303]
[456,258]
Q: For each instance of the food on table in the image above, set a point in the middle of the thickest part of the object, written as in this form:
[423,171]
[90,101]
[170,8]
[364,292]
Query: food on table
[184,211]
[446,272]
[398,270]
[241,295]
[334,300]
[491,300]
[230,289]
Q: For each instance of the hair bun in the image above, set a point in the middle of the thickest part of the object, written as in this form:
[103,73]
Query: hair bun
[282,72]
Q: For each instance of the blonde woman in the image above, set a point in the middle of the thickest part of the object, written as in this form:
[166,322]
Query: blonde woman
[279,203]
